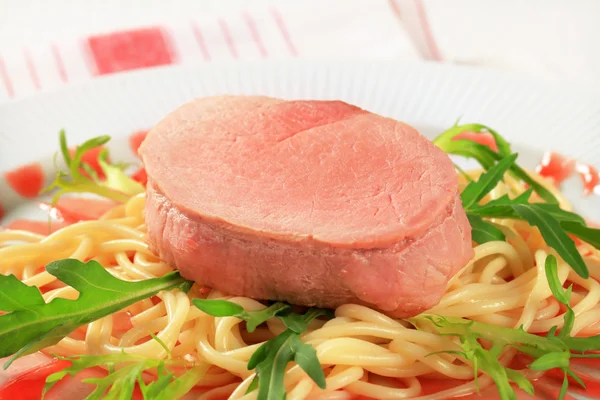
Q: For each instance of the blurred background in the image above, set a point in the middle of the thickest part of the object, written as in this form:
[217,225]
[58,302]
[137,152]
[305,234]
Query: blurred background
[52,43]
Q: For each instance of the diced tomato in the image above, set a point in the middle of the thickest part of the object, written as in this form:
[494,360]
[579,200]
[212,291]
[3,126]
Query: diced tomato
[40,227]
[140,176]
[29,385]
[75,209]
[1,212]
[484,138]
[136,139]
[556,167]
[122,321]
[589,176]
[90,158]
[27,180]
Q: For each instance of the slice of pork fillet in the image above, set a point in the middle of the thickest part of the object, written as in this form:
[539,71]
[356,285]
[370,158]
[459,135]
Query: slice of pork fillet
[311,202]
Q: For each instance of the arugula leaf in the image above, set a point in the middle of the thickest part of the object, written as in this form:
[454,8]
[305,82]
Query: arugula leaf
[548,218]
[126,371]
[554,236]
[271,361]
[482,231]
[486,156]
[271,358]
[16,296]
[117,186]
[548,352]
[31,324]
[477,190]
[589,235]
[224,308]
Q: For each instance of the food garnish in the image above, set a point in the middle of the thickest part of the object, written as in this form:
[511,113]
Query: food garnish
[117,185]
[127,370]
[271,358]
[30,324]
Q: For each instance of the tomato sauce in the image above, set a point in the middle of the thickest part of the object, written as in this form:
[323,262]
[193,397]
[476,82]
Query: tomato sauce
[29,385]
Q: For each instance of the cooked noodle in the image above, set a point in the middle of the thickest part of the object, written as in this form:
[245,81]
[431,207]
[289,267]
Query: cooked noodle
[360,349]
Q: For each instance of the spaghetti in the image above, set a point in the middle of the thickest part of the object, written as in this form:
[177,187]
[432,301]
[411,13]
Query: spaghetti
[363,352]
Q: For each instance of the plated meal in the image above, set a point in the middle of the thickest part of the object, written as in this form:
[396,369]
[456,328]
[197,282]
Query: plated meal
[270,249]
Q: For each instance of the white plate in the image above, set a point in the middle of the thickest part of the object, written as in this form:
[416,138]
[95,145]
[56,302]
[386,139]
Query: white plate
[429,96]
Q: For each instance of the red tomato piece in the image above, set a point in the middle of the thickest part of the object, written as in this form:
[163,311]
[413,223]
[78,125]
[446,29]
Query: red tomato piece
[90,158]
[589,176]
[136,139]
[27,180]
[140,176]
[556,167]
[484,138]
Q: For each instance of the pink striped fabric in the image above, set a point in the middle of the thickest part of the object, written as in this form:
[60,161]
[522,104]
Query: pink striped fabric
[71,49]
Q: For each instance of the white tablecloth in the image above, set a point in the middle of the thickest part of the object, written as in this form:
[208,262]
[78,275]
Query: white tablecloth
[45,44]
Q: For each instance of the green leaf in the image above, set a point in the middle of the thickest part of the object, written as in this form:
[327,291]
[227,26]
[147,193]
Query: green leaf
[551,267]
[576,378]
[224,308]
[483,231]
[259,355]
[256,318]
[589,235]
[17,296]
[271,370]
[551,360]
[179,387]
[117,185]
[486,156]
[563,388]
[125,370]
[253,385]
[82,149]
[117,179]
[100,294]
[306,358]
[219,308]
[64,148]
[553,235]
[477,190]
[521,381]
[544,193]
[271,358]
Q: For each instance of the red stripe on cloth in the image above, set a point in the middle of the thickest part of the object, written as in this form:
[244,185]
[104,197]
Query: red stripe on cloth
[127,50]
[200,40]
[60,65]
[284,31]
[395,8]
[31,69]
[6,79]
[228,38]
[427,33]
[255,34]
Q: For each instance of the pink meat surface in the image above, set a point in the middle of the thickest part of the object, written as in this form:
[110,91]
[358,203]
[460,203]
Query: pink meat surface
[311,202]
